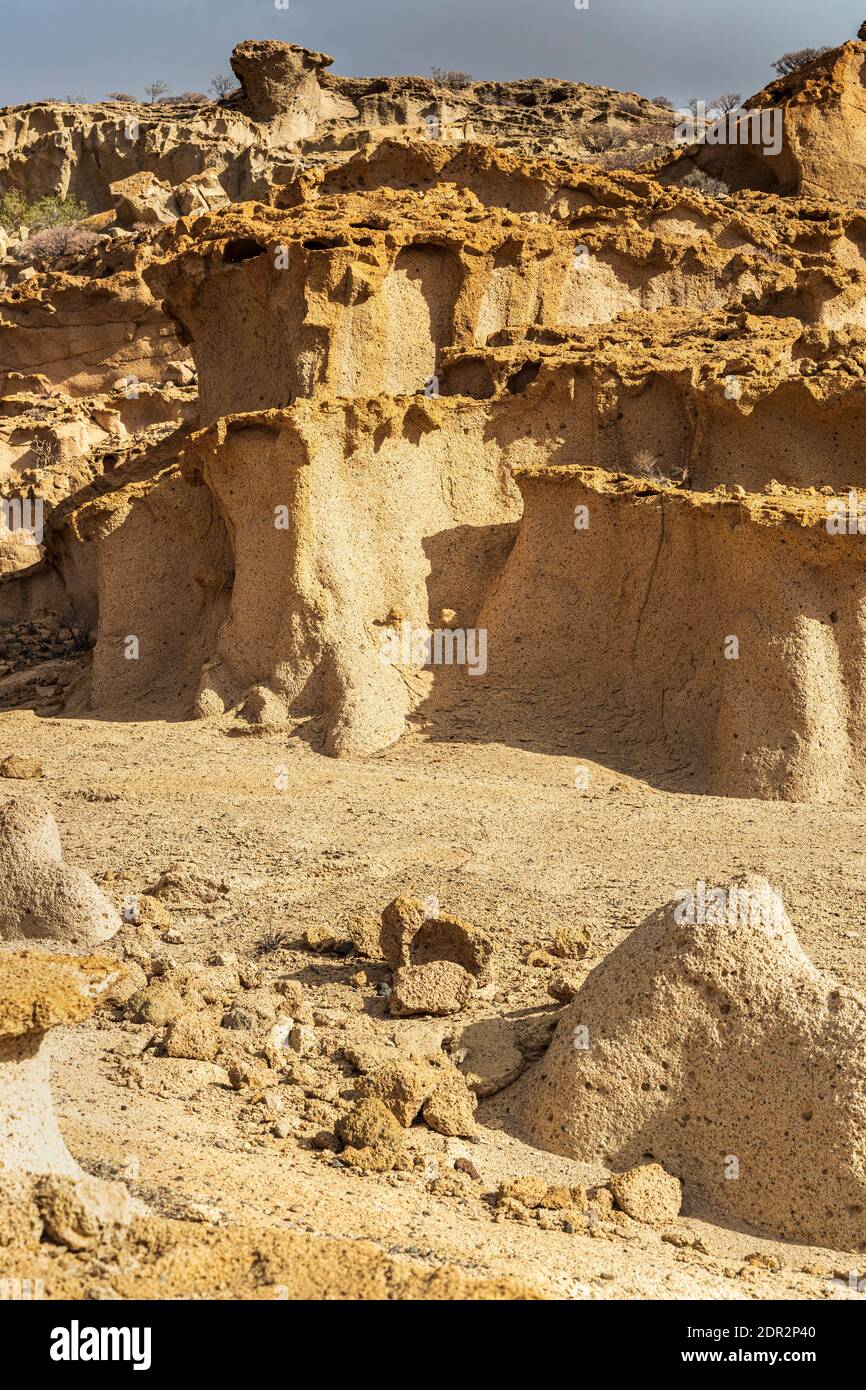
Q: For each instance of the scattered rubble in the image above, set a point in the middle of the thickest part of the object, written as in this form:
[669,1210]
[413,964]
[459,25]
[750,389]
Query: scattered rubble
[501,365]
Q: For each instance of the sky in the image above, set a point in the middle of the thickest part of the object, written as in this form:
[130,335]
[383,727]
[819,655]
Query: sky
[61,48]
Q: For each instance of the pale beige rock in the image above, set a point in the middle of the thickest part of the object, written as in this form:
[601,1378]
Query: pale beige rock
[132,982]
[447,938]
[571,943]
[158,1004]
[40,896]
[186,885]
[450,1109]
[152,911]
[371,1124]
[82,1212]
[264,708]
[143,198]
[491,1057]
[773,726]
[192,1035]
[562,988]
[20,1222]
[302,1039]
[22,769]
[401,1085]
[647,1193]
[294,1000]
[281,80]
[424,1038]
[38,992]
[411,935]
[440,987]
[717,1048]
[201,193]
[401,919]
[365,935]
[810,142]
[179,372]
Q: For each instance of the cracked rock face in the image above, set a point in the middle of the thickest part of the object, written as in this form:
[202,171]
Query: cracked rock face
[38,993]
[713,1047]
[40,896]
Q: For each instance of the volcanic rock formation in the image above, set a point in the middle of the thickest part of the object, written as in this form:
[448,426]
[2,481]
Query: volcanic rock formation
[38,993]
[410,358]
[290,112]
[803,134]
[40,896]
[369,407]
[748,692]
[709,1042]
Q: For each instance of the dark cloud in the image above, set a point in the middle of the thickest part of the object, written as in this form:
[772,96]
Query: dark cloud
[654,47]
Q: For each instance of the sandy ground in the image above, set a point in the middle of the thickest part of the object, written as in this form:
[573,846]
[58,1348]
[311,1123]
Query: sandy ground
[502,837]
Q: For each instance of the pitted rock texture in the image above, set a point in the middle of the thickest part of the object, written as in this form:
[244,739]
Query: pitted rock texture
[803,134]
[38,993]
[401,351]
[715,1047]
[40,896]
[290,112]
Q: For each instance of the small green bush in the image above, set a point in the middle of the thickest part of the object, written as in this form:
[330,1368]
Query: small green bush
[15,211]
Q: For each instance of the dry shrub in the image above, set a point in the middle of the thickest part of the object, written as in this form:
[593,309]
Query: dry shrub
[450,77]
[56,243]
[703,183]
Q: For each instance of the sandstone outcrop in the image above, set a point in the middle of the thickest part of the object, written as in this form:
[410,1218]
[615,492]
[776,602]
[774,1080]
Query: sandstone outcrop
[456,412]
[743,700]
[82,330]
[291,112]
[281,80]
[709,1043]
[803,134]
[427,362]
[40,896]
[38,993]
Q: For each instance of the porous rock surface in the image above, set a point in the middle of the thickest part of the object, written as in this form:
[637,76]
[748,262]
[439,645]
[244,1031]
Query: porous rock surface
[686,376]
[484,344]
[718,1050]
[40,896]
[336,363]
[808,136]
[38,993]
